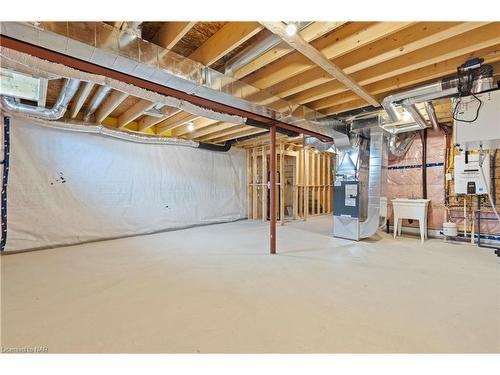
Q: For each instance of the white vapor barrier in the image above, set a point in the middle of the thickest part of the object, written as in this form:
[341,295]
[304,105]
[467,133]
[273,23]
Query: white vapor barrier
[71,187]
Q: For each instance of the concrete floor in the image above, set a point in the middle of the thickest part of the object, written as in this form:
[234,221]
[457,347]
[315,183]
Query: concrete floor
[216,289]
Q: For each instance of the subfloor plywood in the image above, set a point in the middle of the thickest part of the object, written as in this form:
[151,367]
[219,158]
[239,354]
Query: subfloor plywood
[216,289]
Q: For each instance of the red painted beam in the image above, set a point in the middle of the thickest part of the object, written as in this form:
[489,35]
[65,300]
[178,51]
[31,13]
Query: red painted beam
[272,193]
[88,67]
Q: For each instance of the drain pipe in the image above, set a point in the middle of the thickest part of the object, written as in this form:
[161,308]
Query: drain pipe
[96,101]
[56,112]
[423,139]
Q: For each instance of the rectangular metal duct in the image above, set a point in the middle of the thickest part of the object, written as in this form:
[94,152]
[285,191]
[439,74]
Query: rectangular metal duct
[103,45]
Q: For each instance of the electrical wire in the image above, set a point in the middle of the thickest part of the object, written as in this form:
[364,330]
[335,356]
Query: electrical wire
[465,83]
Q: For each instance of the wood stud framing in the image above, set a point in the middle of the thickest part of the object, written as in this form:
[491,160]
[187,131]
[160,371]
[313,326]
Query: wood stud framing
[309,177]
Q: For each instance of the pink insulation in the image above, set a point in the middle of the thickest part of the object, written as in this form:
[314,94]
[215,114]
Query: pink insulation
[404,178]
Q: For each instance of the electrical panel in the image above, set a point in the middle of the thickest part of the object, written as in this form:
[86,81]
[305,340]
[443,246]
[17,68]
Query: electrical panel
[468,178]
[473,133]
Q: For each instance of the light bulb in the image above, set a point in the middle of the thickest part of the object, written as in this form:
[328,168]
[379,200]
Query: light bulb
[190,126]
[291,29]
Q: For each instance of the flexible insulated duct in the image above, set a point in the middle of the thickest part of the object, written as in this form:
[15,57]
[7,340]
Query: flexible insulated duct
[9,104]
[97,99]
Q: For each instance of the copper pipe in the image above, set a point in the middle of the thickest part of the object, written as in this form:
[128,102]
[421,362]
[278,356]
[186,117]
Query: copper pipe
[272,188]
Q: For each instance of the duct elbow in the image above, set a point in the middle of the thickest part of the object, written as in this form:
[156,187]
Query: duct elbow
[9,104]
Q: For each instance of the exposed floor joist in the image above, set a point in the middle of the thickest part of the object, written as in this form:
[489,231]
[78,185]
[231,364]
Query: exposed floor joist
[319,59]
[171,32]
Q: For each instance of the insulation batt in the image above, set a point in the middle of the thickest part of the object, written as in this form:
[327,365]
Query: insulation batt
[407,182]
[70,187]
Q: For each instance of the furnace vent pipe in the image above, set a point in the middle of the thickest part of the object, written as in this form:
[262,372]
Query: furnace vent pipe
[56,112]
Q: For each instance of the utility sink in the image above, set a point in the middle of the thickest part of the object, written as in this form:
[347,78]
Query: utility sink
[410,208]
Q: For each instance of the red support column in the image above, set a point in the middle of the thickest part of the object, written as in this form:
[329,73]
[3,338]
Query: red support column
[272,193]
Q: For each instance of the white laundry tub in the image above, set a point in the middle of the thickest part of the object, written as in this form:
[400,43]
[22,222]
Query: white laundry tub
[415,209]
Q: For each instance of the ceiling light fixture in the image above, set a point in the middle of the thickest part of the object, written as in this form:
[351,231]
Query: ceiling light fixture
[190,126]
[291,28]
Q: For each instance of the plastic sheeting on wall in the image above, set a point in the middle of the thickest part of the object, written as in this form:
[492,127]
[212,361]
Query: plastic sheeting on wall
[66,188]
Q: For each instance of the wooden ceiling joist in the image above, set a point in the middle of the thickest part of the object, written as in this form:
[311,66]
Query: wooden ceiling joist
[404,42]
[80,98]
[171,32]
[224,132]
[112,101]
[206,132]
[243,133]
[319,59]
[134,112]
[147,122]
[175,121]
[309,33]
[198,124]
[419,76]
[230,36]
[466,46]
[349,38]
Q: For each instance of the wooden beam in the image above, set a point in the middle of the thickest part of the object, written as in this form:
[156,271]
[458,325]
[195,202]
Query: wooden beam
[319,59]
[112,101]
[175,121]
[205,133]
[230,36]
[230,129]
[305,87]
[344,40]
[171,33]
[309,33]
[241,133]
[335,93]
[133,112]
[198,124]
[149,121]
[42,91]
[80,98]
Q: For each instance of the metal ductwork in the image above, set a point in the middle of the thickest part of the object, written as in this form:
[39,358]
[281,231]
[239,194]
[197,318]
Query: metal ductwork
[370,226]
[255,50]
[399,144]
[96,101]
[341,139]
[481,78]
[431,113]
[191,84]
[360,164]
[56,112]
